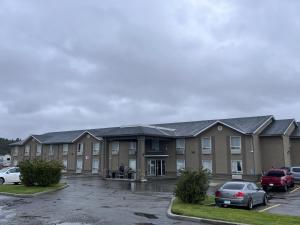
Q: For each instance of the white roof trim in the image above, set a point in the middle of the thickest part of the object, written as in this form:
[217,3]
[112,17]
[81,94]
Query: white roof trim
[214,123]
[264,123]
[289,127]
[31,136]
[149,126]
[87,132]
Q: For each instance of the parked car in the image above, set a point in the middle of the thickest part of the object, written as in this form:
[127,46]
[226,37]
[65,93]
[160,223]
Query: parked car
[296,172]
[10,175]
[245,194]
[279,178]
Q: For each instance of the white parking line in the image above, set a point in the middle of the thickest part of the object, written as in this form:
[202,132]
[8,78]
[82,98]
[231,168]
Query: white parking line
[296,189]
[271,207]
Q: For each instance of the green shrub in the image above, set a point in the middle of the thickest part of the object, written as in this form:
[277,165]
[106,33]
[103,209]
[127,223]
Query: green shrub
[40,172]
[192,186]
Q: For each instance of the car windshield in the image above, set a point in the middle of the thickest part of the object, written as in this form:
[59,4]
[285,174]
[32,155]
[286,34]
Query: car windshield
[274,173]
[3,170]
[233,186]
[297,170]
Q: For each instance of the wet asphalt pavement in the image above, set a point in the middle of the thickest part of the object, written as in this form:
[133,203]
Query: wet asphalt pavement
[93,201]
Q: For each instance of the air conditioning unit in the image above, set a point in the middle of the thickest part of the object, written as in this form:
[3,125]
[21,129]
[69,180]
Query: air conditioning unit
[236,177]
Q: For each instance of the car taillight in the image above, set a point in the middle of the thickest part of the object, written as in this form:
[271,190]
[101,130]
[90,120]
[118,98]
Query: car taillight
[239,195]
[218,194]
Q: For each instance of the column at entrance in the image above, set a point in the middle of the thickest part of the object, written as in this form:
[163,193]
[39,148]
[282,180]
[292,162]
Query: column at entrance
[141,164]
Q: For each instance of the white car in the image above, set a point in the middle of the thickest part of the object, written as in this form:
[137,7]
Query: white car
[10,175]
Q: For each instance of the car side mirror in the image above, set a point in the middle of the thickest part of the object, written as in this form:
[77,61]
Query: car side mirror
[7,172]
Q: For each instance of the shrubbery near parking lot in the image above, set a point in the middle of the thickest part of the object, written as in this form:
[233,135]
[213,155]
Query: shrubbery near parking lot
[192,186]
[40,172]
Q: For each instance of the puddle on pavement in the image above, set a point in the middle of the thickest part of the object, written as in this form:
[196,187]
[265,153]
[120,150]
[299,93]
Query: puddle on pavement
[147,215]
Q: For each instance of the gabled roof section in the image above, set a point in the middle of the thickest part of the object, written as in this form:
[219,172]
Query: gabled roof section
[296,132]
[85,133]
[278,127]
[244,125]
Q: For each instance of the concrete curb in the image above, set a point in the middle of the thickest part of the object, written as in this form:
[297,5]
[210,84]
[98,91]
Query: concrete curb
[197,219]
[33,195]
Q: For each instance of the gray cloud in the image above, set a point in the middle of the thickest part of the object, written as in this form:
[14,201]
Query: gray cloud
[87,64]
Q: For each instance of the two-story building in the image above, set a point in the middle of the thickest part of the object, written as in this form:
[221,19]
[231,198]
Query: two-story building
[238,147]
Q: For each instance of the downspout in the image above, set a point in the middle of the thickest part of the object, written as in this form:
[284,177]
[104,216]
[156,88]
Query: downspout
[253,153]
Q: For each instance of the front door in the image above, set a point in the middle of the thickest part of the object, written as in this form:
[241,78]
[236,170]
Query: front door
[156,167]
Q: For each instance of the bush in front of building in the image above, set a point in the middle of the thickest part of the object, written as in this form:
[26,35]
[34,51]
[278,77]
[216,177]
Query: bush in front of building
[40,172]
[192,186]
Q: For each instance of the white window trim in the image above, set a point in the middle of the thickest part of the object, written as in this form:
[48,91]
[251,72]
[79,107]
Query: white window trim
[16,151]
[132,147]
[178,169]
[206,150]
[51,150]
[27,150]
[94,169]
[235,149]
[211,163]
[236,172]
[179,149]
[65,149]
[77,169]
[134,169]
[38,150]
[115,151]
[96,151]
[80,148]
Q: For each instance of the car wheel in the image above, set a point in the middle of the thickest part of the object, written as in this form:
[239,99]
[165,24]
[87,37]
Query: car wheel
[16,183]
[285,188]
[265,200]
[2,180]
[250,204]
[265,188]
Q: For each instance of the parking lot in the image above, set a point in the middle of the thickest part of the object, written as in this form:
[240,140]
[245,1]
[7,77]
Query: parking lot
[286,203]
[93,201]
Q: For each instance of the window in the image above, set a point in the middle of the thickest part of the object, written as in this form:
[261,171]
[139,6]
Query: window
[207,164]
[180,165]
[27,150]
[79,148]
[180,146]
[236,166]
[95,166]
[65,163]
[155,145]
[235,145]
[132,148]
[15,163]
[96,148]
[233,186]
[78,165]
[65,149]
[16,151]
[115,148]
[206,145]
[51,150]
[132,164]
[38,149]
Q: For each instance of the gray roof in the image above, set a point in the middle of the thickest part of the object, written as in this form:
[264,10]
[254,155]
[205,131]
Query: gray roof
[296,132]
[246,125]
[277,128]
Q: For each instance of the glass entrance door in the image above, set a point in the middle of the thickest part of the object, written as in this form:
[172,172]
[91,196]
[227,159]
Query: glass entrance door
[156,167]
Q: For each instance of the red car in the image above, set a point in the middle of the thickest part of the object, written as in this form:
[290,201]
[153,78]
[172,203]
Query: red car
[280,178]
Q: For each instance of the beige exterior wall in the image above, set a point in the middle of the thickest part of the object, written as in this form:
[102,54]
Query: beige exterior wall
[295,151]
[192,153]
[272,152]
[221,154]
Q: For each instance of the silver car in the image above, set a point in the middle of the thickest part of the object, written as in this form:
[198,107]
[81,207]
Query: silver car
[296,172]
[245,194]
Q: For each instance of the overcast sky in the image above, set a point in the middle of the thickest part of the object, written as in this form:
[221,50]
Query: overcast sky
[67,64]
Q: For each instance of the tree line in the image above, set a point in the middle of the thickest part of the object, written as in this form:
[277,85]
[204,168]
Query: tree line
[4,145]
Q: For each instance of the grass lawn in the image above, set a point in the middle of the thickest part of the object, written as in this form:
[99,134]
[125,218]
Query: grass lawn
[21,189]
[231,214]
